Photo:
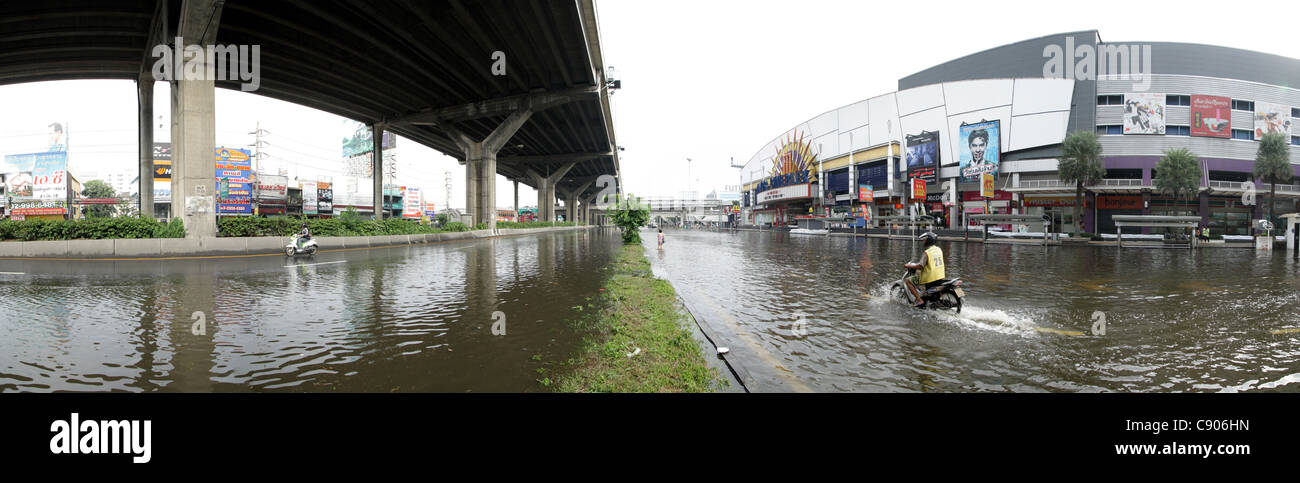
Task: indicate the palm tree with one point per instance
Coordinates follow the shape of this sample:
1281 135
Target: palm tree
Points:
1081 164
1273 164
1178 173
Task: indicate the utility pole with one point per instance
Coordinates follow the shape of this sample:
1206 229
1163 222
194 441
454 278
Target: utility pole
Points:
257 156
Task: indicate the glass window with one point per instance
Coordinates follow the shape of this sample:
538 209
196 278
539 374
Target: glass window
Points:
1295 112
1178 100
1178 130
1110 129
1243 134
1110 100
1295 140
1240 105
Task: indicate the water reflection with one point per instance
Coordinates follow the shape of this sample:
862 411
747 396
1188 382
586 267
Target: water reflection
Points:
394 319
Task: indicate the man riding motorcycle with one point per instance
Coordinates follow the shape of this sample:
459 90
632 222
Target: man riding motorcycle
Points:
303 236
929 269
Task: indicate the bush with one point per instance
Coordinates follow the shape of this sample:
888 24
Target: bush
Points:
90 229
455 226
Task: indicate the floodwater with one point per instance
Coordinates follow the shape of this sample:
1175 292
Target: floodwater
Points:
1174 320
416 318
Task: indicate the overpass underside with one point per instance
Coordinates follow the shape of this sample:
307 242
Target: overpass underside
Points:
516 88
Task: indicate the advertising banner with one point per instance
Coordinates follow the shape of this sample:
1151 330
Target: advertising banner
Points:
412 203
866 194
986 186
36 177
1144 113
1212 116
234 170
918 189
272 187
324 198
309 194
1271 117
429 211
923 155
980 149
38 207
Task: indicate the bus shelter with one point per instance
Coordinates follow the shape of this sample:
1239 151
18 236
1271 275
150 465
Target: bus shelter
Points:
1156 221
925 222
986 220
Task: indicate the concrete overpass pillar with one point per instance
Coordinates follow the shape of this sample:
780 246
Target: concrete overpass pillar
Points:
546 190
144 100
194 140
516 200
377 169
481 165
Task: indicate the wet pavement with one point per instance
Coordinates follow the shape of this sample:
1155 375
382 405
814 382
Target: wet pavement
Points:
1174 320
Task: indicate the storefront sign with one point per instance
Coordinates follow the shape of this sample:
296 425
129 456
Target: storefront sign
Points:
1050 201
976 195
986 185
918 189
270 187
1119 202
794 192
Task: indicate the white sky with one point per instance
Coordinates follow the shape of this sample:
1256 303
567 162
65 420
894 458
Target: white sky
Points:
703 79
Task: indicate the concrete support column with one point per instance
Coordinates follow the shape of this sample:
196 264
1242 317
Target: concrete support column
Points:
571 206
1089 210
144 100
1205 208
194 141
377 169
481 165
516 200
546 190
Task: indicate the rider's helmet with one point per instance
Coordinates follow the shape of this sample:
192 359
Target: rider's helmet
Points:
929 238
304 225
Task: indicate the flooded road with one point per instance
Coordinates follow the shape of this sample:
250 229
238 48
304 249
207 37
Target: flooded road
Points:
1175 320
416 318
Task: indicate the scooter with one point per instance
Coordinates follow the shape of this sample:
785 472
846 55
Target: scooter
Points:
308 248
946 295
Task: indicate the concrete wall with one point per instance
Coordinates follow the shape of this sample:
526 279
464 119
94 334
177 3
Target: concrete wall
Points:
210 246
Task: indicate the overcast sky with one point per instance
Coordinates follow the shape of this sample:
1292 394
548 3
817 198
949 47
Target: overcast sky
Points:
702 79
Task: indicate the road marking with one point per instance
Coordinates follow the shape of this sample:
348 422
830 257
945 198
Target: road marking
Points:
1286 331
12 273
314 264
1059 331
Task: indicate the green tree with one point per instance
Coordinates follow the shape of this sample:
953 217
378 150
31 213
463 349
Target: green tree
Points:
1178 173
1273 164
1081 164
98 190
630 216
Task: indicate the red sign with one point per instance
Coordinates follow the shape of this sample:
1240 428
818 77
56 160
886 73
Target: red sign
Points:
975 196
865 194
918 189
38 211
1211 116
1119 202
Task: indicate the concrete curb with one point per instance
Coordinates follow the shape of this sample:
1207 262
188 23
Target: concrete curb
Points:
183 247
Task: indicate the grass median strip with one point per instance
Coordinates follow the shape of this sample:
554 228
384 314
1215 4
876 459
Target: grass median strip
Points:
636 311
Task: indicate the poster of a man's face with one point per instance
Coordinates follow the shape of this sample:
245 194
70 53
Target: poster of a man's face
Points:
56 138
979 152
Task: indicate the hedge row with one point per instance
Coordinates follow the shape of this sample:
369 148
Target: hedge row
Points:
344 226
89 229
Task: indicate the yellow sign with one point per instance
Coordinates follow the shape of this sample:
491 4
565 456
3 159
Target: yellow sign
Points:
986 185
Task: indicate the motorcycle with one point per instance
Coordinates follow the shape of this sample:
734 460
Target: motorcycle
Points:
946 295
308 248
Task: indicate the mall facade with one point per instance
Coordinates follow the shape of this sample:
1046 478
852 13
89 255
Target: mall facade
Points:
1004 113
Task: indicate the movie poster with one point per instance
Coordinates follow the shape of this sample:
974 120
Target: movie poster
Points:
979 149
923 155
1212 116
1271 117
1144 113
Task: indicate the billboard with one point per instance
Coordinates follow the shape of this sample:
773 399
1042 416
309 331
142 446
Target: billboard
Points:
162 171
234 170
429 210
37 175
411 203
918 189
1144 113
309 194
272 187
1270 118
362 141
980 145
324 198
1212 116
923 155
865 193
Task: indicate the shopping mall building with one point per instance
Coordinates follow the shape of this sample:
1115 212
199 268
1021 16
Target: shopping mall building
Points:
1005 111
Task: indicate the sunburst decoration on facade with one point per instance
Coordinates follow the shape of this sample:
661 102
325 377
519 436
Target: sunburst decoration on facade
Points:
794 155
